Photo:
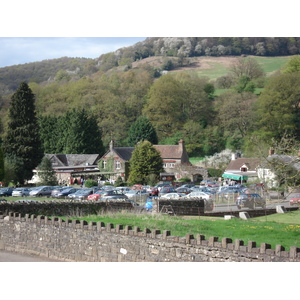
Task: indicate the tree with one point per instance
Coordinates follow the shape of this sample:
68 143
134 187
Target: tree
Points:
80 133
2 171
145 160
246 67
46 173
141 130
22 138
164 106
293 65
278 107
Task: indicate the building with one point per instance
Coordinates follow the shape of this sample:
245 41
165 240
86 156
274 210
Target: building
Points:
71 167
115 160
242 169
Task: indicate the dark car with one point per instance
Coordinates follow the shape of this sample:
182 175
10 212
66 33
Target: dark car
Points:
81 194
64 192
250 201
3 200
7 191
112 194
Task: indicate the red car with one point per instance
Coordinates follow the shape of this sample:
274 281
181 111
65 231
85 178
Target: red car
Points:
295 200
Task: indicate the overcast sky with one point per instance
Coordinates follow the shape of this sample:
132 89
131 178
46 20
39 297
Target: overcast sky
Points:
15 50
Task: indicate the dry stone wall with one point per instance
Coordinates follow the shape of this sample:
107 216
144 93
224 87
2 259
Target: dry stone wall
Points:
74 240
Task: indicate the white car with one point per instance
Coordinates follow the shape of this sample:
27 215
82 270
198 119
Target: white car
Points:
172 196
203 195
20 192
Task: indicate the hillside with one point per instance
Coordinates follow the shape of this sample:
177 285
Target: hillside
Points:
212 67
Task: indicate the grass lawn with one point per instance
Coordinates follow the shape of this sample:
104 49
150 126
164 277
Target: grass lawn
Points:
279 229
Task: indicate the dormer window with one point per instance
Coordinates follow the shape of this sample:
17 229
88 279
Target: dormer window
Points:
243 168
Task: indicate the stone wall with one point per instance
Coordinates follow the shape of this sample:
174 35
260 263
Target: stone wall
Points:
74 240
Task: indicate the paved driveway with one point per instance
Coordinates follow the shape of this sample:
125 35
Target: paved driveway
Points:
16 257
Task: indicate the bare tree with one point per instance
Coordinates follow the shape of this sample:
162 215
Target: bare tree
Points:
246 67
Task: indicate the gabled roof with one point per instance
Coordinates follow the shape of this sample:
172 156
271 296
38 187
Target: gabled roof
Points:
124 152
61 160
236 164
169 151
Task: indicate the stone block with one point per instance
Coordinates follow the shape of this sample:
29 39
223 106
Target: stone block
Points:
280 209
228 217
244 215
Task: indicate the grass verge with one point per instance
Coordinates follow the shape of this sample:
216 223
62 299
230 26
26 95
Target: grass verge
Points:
275 230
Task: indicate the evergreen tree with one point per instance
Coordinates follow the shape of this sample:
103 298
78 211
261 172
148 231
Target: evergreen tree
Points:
46 173
80 133
22 138
141 130
2 172
145 160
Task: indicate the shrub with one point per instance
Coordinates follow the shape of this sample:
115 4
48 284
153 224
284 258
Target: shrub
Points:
90 182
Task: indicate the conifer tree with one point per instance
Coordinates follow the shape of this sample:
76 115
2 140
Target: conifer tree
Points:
141 130
22 137
145 160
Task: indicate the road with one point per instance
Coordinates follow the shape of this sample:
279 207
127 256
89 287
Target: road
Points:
17 257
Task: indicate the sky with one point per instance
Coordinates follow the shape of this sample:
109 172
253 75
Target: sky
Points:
20 50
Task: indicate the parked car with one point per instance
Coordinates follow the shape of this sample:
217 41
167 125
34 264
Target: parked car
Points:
41 191
173 196
166 190
57 190
137 195
183 190
208 199
250 201
7 191
295 200
20 192
97 195
64 192
200 194
81 194
113 194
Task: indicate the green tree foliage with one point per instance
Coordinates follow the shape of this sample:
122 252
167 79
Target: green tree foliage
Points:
164 105
50 132
145 160
141 130
278 107
22 137
80 133
2 170
13 167
293 65
46 173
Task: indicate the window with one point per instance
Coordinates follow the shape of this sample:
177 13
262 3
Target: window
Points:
104 164
118 165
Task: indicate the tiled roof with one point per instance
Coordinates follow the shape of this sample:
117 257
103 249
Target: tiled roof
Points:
74 159
169 151
124 152
236 164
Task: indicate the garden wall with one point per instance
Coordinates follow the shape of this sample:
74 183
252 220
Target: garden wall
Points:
74 240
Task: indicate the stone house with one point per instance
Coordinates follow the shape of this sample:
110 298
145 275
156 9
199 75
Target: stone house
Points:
115 160
69 167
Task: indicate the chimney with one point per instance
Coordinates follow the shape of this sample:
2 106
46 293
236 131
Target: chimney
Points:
111 145
233 156
180 143
271 151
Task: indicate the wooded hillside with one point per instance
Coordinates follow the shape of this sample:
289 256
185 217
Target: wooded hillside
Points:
210 113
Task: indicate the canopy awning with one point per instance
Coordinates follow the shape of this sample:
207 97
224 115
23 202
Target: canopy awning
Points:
235 176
